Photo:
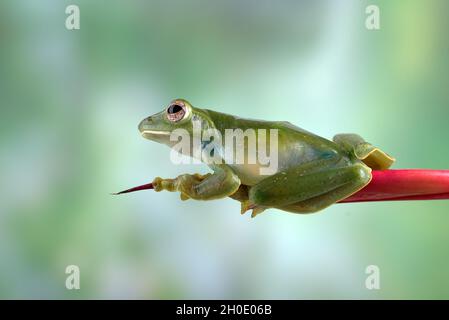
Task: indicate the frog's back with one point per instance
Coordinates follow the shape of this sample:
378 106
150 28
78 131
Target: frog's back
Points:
294 145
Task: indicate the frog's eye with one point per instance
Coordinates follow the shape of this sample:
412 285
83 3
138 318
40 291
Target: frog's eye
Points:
176 111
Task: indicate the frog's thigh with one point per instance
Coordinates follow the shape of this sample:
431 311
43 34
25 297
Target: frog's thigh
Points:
320 202
320 188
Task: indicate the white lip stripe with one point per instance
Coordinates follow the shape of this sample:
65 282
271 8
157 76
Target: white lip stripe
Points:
155 132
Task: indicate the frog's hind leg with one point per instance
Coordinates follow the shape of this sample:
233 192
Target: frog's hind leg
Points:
306 192
322 201
373 157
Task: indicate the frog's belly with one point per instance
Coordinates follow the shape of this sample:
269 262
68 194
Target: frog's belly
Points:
249 174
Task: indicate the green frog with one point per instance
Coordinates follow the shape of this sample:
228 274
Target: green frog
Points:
311 172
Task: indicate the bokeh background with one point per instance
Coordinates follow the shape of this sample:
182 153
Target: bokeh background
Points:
71 102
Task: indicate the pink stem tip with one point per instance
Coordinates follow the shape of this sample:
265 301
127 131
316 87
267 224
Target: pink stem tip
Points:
138 188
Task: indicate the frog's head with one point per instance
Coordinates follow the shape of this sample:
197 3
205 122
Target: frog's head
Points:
179 114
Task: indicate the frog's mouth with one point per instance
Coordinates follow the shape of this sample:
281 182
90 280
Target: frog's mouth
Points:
146 133
150 130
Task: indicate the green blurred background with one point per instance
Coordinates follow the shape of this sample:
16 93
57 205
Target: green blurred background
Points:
71 102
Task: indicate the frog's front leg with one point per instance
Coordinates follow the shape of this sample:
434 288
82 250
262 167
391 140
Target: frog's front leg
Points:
222 183
310 187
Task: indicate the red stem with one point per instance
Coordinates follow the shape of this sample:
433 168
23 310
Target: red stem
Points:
407 184
389 185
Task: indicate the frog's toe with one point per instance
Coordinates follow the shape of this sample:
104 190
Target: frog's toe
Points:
183 196
257 210
157 184
246 205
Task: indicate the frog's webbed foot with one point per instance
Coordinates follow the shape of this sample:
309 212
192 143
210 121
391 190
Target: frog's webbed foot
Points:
183 183
222 183
248 205
372 156
241 195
